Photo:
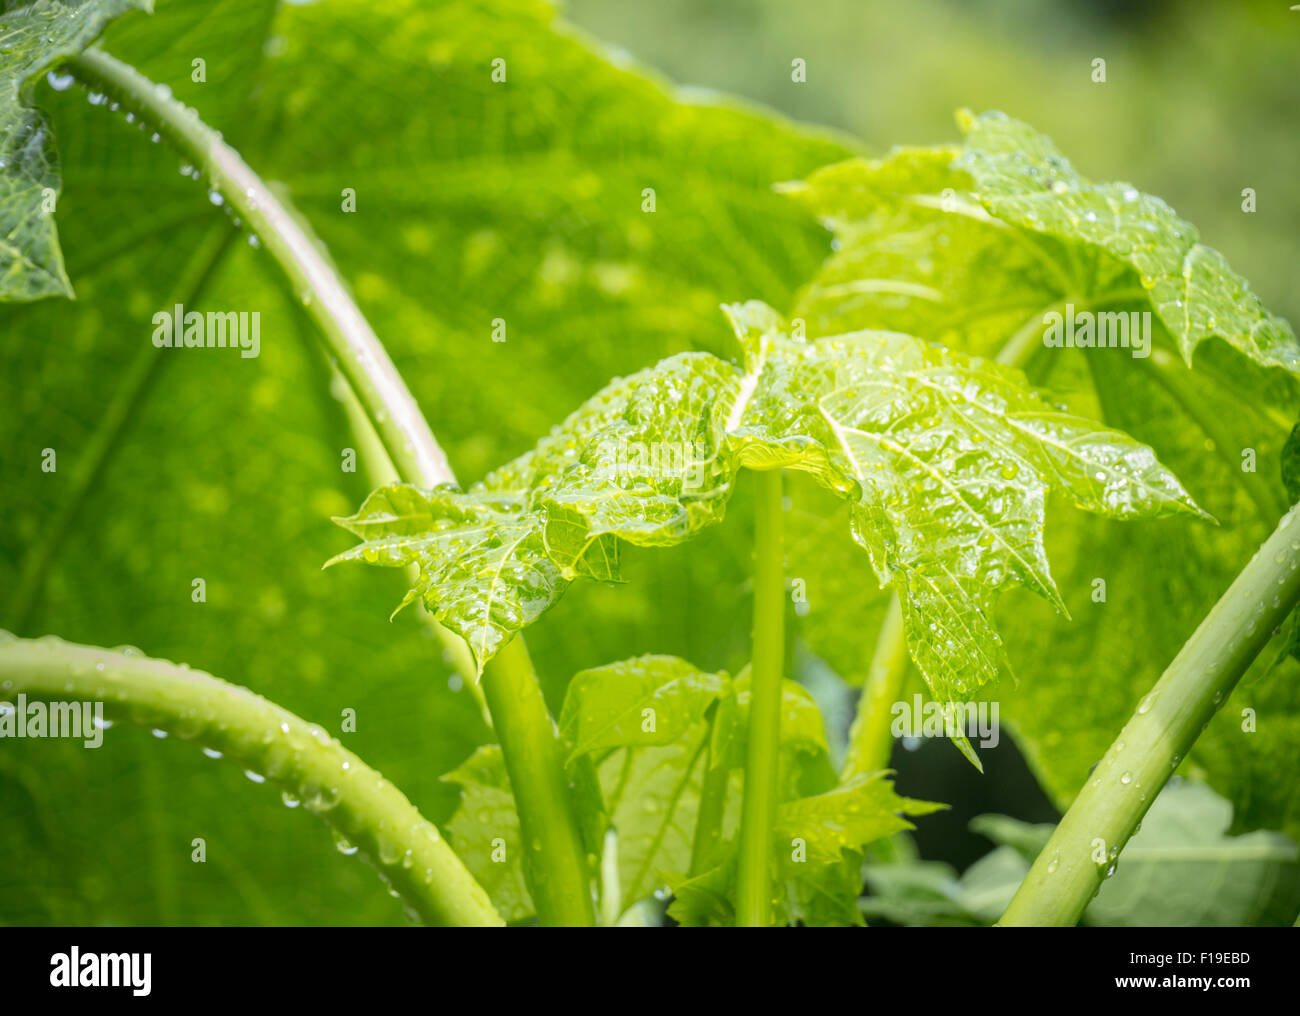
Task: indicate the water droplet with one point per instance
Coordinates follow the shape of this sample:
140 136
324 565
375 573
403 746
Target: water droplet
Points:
288 800
211 753
1126 778
255 777
59 82
158 732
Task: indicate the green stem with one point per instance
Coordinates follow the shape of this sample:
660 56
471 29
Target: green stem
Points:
272 744
758 807
360 355
396 417
1070 869
555 862
708 818
870 740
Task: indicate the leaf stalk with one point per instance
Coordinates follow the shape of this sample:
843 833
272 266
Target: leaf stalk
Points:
759 804
1085 847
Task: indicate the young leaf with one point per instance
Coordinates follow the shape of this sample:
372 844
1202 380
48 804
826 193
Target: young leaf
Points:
485 831
948 461
38 36
642 460
642 724
652 700
647 771
817 855
951 459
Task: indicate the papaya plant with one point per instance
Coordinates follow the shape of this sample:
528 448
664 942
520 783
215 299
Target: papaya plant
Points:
891 410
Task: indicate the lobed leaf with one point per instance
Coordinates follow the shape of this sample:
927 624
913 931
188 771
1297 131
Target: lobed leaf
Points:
38 36
940 243
946 459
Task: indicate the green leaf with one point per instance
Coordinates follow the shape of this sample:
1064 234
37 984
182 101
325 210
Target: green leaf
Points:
1181 868
923 249
850 816
805 757
642 460
816 861
650 768
652 700
228 469
948 459
485 831
952 458
1022 179
648 782
38 36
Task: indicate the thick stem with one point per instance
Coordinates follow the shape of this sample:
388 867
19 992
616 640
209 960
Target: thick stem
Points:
870 740
758 807
555 862
1086 844
271 744
388 403
359 353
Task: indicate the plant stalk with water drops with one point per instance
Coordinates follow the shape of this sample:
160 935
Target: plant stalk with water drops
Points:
512 689
1086 845
369 815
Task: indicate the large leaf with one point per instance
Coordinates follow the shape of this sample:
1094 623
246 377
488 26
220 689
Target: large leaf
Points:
474 201
941 243
37 37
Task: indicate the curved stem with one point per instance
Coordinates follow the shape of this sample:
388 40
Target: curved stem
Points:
556 869
1070 869
388 403
758 807
870 740
271 743
360 355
